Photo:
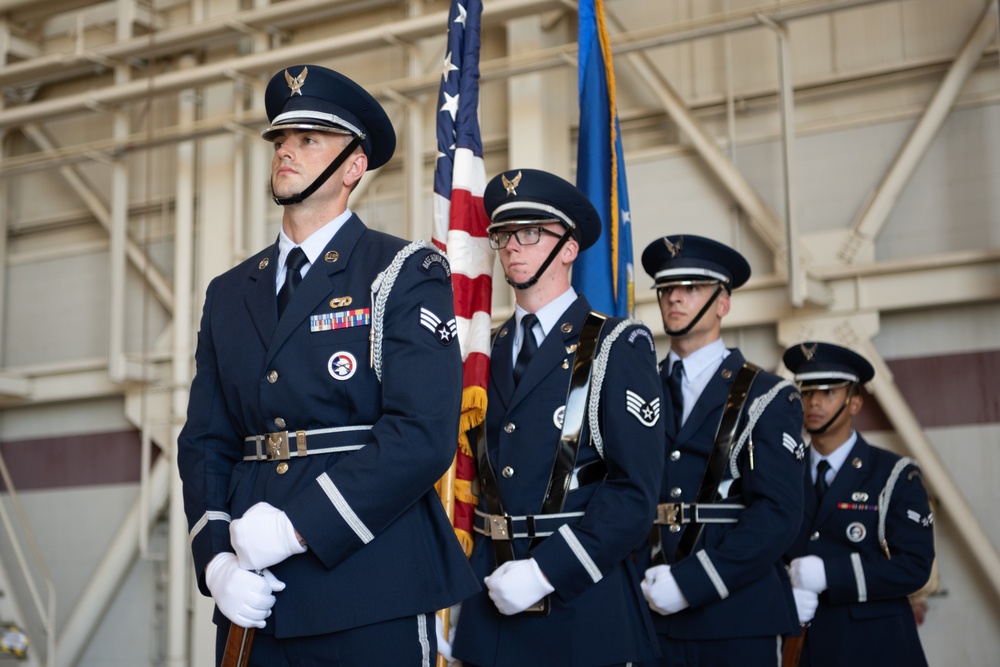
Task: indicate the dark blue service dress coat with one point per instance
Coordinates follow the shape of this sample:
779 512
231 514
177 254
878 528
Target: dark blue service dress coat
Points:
379 543
735 581
598 615
864 617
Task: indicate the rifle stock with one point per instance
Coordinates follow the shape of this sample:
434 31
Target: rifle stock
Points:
791 651
238 643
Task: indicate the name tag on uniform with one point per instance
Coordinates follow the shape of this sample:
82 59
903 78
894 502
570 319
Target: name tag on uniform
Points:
340 320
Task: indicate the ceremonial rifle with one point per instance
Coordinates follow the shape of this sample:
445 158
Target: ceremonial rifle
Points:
791 651
238 643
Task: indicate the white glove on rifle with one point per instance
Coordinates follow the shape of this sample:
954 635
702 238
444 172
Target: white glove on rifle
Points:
662 592
806 603
516 585
809 573
263 537
245 598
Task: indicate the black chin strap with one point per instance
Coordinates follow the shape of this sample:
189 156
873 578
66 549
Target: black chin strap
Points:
548 260
320 180
822 429
681 332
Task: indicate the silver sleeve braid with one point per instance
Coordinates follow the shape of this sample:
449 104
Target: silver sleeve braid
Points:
597 374
381 288
754 414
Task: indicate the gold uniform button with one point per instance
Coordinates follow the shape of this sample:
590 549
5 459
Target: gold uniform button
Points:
508 472
279 422
282 468
272 377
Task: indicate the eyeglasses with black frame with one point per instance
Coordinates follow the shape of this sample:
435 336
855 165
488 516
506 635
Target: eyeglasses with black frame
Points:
524 235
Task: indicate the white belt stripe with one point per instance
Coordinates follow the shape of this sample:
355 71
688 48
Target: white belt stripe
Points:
316 431
292 453
713 575
574 544
340 503
859 577
537 517
203 521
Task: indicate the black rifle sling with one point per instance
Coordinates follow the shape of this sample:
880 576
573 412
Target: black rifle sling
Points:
714 470
489 489
569 441
576 411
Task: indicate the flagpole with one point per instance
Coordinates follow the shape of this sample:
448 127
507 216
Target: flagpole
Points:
460 224
446 491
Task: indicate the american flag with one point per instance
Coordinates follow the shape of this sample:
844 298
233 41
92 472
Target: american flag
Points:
460 229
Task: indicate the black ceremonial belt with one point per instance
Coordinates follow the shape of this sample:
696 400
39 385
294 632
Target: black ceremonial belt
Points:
714 471
499 524
681 514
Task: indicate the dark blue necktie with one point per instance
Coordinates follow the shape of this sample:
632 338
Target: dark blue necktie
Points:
528 345
821 486
676 393
293 276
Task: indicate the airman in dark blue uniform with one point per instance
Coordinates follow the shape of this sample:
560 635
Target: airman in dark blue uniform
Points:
324 408
714 574
866 540
571 457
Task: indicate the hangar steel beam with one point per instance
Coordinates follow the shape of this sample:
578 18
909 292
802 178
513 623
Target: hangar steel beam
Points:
875 214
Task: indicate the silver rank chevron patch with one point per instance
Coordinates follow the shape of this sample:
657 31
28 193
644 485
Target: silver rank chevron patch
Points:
916 517
445 332
647 413
794 446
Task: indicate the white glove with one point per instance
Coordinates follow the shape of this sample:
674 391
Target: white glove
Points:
516 585
444 645
662 592
808 573
806 603
245 598
263 537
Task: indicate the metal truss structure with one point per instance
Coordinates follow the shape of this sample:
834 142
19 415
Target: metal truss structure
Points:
815 292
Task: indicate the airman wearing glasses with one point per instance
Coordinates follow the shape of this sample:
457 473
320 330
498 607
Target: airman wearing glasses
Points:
570 456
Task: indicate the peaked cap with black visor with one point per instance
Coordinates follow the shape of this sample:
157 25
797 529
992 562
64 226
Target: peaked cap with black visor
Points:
821 366
311 97
681 260
530 198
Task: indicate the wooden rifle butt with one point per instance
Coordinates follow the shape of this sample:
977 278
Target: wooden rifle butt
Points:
238 643
791 650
